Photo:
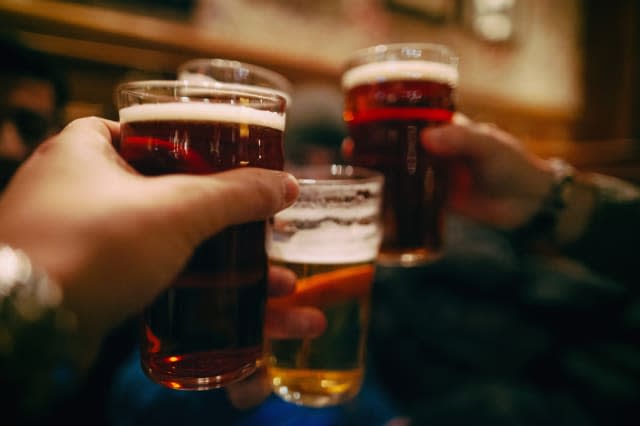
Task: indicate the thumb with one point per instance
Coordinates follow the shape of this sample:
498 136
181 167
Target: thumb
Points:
450 140
212 202
254 194
476 140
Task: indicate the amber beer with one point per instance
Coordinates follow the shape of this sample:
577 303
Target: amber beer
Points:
206 330
330 238
388 101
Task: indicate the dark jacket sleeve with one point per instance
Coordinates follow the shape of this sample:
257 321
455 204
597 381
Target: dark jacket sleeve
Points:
610 244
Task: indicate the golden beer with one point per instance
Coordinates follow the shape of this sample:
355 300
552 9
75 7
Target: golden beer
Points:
329 369
330 238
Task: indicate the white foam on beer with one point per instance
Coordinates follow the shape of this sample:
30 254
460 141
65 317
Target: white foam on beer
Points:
313 212
329 242
377 72
328 245
202 111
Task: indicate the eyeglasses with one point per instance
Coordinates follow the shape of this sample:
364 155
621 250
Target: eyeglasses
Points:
32 126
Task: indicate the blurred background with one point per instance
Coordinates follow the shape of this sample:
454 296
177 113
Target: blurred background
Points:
561 75
485 332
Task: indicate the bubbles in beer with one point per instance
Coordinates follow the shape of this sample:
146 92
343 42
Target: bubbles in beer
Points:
377 72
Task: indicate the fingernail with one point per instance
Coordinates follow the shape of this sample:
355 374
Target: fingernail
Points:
315 325
430 135
289 277
460 119
308 327
290 188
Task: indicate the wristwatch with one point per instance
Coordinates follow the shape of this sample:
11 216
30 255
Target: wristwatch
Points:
542 224
36 332
563 177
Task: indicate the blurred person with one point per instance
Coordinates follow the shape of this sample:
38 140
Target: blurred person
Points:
315 128
78 226
33 94
531 316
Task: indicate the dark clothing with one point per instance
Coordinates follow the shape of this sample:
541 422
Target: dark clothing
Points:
610 245
489 335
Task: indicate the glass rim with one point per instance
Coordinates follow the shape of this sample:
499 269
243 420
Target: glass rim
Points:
382 62
335 174
141 89
281 83
378 49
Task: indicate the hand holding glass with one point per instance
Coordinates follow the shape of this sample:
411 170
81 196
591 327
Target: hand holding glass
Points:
206 330
392 92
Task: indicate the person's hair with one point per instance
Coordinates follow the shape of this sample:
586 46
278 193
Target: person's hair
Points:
20 62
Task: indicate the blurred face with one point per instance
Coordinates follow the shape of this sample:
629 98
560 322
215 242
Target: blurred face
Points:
27 118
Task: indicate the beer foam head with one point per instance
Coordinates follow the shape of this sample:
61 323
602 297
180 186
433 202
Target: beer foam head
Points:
377 72
202 111
323 236
329 243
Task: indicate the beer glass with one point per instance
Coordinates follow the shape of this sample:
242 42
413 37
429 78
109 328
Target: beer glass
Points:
330 238
206 330
235 72
392 92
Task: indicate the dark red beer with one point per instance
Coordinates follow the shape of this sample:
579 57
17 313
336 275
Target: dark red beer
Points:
206 330
387 104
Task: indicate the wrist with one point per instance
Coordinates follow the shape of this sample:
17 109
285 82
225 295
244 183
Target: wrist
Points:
553 198
37 335
592 193
575 217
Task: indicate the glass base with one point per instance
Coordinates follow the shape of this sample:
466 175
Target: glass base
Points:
314 401
316 388
200 383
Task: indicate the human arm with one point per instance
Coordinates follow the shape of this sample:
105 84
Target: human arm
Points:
496 181
94 225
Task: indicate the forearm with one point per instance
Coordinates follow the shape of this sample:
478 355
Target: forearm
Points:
601 226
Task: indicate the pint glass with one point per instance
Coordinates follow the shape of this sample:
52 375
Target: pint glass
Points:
330 238
236 73
206 330
392 92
